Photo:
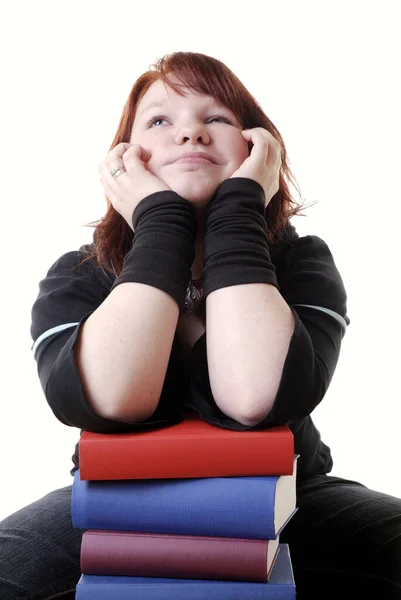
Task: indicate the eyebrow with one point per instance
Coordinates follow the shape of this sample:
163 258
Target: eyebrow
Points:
156 104
159 104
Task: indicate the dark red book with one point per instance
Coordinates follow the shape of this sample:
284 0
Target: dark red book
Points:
190 449
132 554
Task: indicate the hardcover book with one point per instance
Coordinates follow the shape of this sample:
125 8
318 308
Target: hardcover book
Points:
281 586
126 553
234 507
190 449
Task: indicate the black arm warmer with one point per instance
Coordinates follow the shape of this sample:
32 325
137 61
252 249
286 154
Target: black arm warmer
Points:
235 247
163 248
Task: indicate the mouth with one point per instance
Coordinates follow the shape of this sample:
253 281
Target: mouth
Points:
196 158
193 160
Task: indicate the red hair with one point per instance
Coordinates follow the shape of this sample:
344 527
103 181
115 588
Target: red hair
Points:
205 75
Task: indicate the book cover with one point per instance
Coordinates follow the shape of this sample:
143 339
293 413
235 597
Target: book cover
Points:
126 553
192 448
237 507
281 586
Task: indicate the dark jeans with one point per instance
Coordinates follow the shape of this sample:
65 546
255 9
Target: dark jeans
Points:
345 542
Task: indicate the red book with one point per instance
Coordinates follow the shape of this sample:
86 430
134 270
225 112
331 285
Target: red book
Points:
190 449
132 554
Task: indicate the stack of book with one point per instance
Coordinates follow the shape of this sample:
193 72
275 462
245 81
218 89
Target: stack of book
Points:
186 511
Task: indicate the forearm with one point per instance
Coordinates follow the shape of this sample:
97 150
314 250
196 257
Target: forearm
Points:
249 325
248 333
312 288
125 345
123 351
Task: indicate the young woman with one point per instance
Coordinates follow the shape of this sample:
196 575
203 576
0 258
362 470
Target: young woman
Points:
198 294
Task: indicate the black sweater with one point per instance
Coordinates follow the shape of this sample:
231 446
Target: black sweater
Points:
303 270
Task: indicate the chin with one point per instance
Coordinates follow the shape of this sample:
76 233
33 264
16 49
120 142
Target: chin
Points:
197 192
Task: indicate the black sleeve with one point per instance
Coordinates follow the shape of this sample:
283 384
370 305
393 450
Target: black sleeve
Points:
68 295
310 283
161 255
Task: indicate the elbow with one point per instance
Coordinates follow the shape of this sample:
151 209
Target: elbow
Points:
248 413
250 419
132 410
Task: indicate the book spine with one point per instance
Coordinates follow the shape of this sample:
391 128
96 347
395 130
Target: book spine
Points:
193 557
236 507
182 590
105 457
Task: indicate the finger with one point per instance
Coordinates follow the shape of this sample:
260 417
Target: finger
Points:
274 145
106 173
274 149
133 153
118 150
110 165
260 143
115 158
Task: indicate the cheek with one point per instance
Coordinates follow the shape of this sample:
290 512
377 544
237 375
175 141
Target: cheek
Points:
241 149
141 138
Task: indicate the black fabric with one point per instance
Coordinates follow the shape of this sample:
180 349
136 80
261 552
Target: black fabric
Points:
345 541
70 293
305 272
235 246
163 248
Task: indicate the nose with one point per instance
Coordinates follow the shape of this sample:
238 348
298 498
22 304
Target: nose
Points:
193 133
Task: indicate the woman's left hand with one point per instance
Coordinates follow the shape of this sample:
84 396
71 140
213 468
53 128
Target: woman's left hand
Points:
264 162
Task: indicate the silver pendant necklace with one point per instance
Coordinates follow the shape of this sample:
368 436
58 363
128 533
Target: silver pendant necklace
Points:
194 295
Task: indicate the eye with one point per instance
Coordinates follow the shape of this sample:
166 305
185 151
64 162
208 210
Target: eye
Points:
155 119
221 119
160 118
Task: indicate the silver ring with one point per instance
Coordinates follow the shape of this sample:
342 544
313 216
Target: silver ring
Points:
116 172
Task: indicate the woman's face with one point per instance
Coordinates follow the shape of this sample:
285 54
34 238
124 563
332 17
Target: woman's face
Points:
190 123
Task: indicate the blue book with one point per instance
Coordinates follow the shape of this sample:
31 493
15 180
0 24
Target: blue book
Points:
235 507
281 586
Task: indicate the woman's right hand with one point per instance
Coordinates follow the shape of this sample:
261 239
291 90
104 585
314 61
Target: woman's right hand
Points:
135 183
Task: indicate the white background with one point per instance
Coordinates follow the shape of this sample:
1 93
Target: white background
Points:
326 73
